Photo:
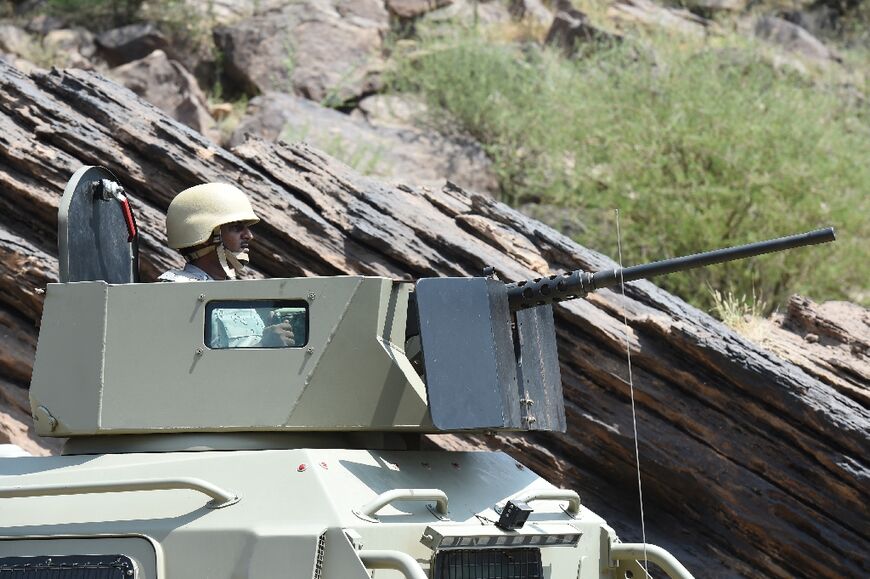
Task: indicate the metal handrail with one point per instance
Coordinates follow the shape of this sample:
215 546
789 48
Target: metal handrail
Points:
220 497
554 495
653 553
396 560
368 510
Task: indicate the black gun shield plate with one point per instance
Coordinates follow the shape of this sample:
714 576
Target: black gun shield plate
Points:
468 353
92 233
538 370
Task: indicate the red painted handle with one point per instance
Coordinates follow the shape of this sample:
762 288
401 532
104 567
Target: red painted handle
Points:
128 217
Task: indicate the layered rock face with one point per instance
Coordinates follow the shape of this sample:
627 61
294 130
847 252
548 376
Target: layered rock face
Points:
751 465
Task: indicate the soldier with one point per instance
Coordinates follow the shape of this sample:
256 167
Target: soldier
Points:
210 225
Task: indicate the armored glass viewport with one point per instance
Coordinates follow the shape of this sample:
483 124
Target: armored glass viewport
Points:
232 324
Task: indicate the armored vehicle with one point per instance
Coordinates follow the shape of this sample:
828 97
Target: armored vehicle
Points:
190 458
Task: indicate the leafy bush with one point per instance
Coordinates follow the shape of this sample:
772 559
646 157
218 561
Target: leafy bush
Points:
699 148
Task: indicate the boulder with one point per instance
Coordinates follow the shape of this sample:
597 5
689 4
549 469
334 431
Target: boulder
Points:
467 14
128 43
793 39
409 9
571 29
390 110
391 149
709 7
14 40
71 47
531 11
336 62
297 50
42 24
16 47
366 13
649 14
167 85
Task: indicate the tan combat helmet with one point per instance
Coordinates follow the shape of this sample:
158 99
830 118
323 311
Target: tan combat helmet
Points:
195 216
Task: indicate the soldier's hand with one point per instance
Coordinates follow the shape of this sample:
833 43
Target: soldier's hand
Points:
278 335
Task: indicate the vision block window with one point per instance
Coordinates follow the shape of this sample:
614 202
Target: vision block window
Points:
256 324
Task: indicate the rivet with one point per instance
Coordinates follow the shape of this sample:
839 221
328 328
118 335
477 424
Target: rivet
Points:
456 465
201 297
426 465
198 351
310 350
311 296
520 467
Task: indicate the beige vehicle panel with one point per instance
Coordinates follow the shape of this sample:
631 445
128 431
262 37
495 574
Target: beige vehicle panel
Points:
131 358
295 497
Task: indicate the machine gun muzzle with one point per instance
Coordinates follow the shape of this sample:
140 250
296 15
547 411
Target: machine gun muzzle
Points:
575 284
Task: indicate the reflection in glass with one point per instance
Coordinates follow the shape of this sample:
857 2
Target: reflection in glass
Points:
256 324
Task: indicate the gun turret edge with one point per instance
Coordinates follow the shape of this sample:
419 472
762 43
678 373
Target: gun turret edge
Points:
576 284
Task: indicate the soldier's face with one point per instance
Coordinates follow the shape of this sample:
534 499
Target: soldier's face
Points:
236 237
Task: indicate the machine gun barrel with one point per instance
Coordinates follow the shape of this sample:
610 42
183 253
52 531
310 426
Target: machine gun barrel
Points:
575 284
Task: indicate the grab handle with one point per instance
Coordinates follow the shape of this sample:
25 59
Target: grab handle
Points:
219 497
554 495
368 510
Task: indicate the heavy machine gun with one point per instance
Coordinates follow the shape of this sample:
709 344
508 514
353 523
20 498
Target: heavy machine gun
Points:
576 284
504 373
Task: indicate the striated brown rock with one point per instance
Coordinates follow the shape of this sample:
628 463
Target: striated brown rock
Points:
15 423
751 465
830 341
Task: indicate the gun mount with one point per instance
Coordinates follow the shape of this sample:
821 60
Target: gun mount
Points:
504 373
440 354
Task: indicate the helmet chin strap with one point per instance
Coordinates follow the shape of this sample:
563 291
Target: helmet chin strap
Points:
233 264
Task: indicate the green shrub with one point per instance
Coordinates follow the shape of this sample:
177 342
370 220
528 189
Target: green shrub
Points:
699 148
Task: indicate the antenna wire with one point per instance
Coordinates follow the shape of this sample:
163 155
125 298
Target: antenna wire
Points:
631 390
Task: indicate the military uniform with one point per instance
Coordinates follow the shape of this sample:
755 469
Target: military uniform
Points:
189 273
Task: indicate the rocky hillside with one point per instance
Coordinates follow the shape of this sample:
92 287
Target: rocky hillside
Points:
751 464
753 457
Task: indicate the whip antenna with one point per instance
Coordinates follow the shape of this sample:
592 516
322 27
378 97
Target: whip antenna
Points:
631 390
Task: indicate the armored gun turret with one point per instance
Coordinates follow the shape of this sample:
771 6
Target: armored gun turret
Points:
191 456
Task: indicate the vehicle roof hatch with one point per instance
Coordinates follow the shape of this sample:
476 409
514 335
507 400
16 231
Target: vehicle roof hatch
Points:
97 234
